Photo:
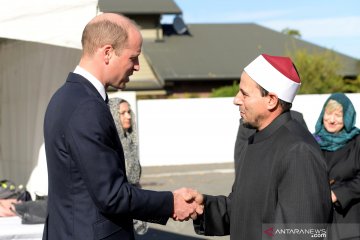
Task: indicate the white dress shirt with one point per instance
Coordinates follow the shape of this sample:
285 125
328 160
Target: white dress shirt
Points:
93 80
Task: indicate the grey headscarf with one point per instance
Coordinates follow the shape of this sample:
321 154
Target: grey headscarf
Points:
128 140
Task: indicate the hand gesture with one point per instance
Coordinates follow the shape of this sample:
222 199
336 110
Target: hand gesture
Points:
7 207
188 203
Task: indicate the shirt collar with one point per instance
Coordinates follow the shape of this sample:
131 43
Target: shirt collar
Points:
93 80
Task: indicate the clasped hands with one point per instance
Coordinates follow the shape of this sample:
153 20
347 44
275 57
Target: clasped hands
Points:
188 203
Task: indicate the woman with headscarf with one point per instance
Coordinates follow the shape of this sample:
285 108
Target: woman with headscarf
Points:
124 119
339 141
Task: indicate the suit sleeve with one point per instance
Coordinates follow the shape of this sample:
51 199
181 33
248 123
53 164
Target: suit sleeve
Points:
216 218
96 154
303 191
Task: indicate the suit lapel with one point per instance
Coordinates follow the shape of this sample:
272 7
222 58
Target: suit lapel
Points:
76 78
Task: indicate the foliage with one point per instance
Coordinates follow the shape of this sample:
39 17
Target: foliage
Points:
352 86
318 72
190 95
291 32
226 91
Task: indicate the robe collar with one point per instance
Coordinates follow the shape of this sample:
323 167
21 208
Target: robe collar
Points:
271 128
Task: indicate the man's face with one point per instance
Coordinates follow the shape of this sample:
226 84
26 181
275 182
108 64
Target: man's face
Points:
252 105
123 66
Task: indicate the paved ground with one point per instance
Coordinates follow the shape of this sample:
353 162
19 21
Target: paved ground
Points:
213 179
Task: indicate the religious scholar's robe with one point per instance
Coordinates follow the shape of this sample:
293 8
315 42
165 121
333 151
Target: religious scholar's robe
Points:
280 177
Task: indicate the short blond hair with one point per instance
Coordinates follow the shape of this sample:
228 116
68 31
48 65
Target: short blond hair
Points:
103 31
333 105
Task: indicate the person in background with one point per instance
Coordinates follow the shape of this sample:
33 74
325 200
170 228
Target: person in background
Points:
89 196
280 176
11 194
7 207
125 122
339 141
37 184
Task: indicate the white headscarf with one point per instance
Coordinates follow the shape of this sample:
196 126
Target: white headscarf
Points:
129 141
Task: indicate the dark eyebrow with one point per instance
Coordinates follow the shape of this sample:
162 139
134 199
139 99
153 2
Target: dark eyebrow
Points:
243 92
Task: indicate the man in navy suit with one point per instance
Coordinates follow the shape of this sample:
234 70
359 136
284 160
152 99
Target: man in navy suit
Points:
89 196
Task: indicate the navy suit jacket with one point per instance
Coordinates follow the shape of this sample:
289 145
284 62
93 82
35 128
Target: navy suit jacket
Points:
89 195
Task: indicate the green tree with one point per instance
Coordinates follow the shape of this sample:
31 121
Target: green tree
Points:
226 91
318 72
352 85
291 32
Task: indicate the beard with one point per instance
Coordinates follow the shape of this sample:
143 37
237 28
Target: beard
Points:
254 124
248 125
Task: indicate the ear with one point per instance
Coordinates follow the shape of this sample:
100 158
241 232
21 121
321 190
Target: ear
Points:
272 101
107 51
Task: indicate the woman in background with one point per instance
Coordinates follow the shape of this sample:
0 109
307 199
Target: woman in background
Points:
339 141
124 119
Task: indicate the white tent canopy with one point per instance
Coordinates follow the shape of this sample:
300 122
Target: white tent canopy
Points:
55 22
40 43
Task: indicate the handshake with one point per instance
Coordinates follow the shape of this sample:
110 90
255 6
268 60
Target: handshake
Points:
188 203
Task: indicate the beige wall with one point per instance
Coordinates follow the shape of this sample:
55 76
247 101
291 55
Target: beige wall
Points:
29 75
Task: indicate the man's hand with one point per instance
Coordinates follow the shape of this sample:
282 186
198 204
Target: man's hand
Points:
333 197
188 203
199 199
7 208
